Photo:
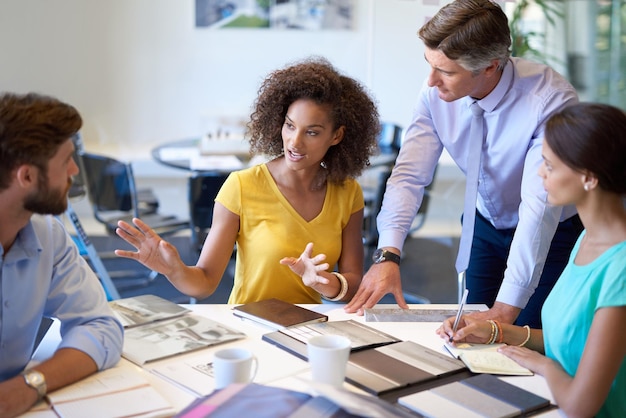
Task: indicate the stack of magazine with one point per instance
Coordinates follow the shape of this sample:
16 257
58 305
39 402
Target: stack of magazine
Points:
378 362
155 328
478 396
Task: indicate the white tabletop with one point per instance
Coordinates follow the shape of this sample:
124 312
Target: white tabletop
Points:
276 366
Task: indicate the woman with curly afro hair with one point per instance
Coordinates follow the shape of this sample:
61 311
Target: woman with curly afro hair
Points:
317 128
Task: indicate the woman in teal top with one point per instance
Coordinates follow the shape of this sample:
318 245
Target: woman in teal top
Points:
584 317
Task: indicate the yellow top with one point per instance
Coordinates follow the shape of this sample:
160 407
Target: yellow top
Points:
270 229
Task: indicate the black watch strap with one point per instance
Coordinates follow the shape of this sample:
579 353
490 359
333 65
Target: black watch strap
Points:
381 255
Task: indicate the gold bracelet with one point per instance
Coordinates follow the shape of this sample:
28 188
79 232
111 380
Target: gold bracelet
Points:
494 332
527 336
344 288
500 332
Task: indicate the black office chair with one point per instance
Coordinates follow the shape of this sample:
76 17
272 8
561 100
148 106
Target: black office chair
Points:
202 190
374 201
390 138
77 191
420 216
113 196
373 204
370 230
374 179
374 183
146 199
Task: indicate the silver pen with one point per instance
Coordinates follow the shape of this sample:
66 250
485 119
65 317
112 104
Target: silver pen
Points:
459 313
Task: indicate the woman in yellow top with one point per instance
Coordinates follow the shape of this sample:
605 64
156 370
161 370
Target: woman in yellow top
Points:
318 129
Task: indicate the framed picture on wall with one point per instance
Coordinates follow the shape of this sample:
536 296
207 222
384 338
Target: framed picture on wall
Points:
275 14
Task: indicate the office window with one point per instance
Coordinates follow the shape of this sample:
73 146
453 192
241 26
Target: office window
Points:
586 42
609 52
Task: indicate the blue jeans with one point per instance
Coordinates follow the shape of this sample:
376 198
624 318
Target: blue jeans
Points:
490 250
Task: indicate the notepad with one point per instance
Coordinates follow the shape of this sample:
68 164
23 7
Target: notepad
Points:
485 358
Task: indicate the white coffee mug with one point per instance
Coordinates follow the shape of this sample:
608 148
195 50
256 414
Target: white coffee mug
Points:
234 365
328 357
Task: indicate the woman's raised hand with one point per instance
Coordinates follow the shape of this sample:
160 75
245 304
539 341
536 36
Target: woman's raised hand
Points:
152 251
308 267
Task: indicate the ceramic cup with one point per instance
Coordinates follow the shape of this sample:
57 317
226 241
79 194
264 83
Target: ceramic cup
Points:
328 357
234 365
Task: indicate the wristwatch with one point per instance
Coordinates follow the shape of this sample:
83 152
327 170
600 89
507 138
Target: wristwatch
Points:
36 380
382 255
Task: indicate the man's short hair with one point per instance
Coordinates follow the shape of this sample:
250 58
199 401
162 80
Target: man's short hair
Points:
471 32
32 128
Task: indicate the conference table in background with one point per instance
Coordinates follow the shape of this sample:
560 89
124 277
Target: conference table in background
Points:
223 155
193 154
279 368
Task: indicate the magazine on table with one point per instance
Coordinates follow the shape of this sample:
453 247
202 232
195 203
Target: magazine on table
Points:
378 314
170 337
156 328
121 391
144 309
479 395
360 335
378 362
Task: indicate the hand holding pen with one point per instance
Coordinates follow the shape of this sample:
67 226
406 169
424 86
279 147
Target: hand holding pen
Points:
459 313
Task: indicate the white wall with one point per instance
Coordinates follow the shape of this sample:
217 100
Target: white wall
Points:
140 72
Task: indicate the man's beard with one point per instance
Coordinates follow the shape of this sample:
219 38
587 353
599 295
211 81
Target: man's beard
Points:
47 201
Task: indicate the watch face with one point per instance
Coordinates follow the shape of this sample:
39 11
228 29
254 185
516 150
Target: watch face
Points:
378 255
35 379
381 255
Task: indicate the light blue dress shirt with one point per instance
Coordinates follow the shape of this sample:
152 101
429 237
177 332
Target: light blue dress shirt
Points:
510 192
44 275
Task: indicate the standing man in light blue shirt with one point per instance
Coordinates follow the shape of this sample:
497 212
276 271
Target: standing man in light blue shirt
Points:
41 271
514 260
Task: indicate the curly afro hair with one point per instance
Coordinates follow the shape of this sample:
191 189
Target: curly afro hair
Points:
351 106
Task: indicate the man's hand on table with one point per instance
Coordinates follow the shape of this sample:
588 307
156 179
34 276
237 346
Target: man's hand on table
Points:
499 311
379 280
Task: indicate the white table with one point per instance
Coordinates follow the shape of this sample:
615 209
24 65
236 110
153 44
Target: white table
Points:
276 366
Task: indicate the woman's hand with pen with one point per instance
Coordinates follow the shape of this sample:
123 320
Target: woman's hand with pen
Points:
469 330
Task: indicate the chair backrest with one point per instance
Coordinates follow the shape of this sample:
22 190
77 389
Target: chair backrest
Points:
390 138
203 188
110 184
79 183
375 203
420 216
114 196
370 230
